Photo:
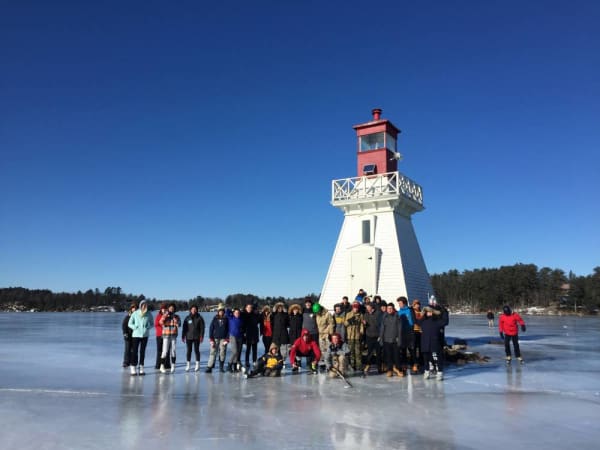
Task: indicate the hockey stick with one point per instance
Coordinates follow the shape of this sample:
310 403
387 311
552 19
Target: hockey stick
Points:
339 374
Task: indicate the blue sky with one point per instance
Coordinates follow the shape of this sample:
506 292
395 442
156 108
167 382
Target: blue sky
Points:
183 150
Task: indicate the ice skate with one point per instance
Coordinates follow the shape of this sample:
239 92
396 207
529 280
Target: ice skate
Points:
439 376
162 369
141 371
426 375
132 371
173 367
508 360
187 366
520 358
197 368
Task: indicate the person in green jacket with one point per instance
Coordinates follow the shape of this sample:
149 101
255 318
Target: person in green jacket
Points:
140 322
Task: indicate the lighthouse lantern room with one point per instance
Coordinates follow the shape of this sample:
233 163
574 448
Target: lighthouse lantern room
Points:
377 248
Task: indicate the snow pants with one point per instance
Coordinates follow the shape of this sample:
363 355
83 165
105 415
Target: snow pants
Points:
220 345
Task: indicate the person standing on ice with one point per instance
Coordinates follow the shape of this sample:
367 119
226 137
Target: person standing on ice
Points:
431 343
372 328
295 322
417 356
192 335
325 326
236 339
309 320
508 325
251 320
490 318
218 335
390 335
305 346
159 338
170 323
405 315
355 330
140 323
266 328
281 322
127 336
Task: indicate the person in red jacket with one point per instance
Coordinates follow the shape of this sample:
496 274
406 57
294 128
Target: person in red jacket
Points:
508 325
305 346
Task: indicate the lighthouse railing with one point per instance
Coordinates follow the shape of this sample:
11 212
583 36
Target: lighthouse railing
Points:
390 184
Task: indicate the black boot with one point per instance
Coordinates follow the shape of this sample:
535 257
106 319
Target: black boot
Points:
208 369
222 366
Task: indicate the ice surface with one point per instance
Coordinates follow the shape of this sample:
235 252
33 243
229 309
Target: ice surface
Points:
61 386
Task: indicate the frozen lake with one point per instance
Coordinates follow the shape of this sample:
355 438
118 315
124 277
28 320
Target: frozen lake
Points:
62 386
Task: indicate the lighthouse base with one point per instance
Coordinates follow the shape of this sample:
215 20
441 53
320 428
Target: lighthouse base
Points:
379 253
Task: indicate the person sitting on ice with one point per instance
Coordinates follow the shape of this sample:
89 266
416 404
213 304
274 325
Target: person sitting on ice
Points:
336 359
305 346
268 365
508 325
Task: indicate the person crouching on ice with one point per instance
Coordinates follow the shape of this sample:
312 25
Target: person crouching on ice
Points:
336 359
268 365
305 346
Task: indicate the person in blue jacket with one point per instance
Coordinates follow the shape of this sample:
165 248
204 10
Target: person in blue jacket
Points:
405 314
236 338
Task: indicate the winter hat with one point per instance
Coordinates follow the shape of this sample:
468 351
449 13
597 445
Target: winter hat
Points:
142 303
507 310
316 308
273 346
221 307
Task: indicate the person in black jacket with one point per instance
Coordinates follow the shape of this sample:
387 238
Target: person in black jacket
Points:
280 321
250 321
193 335
431 342
127 332
218 334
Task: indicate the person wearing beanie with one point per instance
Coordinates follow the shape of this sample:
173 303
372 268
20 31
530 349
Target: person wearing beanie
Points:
508 325
268 365
309 320
140 323
159 339
170 323
192 335
127 336
305 346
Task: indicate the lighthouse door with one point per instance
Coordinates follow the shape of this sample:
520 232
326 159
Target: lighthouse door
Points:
363 269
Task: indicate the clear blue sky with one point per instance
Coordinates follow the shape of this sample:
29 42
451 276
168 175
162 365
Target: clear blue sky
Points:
183 150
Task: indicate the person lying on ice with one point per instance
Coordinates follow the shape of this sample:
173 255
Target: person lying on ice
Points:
269 364
336 359
305 346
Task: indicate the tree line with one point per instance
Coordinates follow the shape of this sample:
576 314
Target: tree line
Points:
519 285
22 299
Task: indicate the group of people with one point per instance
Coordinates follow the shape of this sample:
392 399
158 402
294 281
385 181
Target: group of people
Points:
366 335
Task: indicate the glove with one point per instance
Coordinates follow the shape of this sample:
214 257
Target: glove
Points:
523 328
502 336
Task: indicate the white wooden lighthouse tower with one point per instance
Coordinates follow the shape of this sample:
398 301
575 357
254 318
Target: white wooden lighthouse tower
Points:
377 249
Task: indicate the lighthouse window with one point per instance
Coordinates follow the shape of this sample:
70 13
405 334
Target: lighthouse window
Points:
390 142
372 142
366 231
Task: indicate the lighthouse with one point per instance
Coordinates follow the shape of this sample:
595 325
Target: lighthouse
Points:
377 248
